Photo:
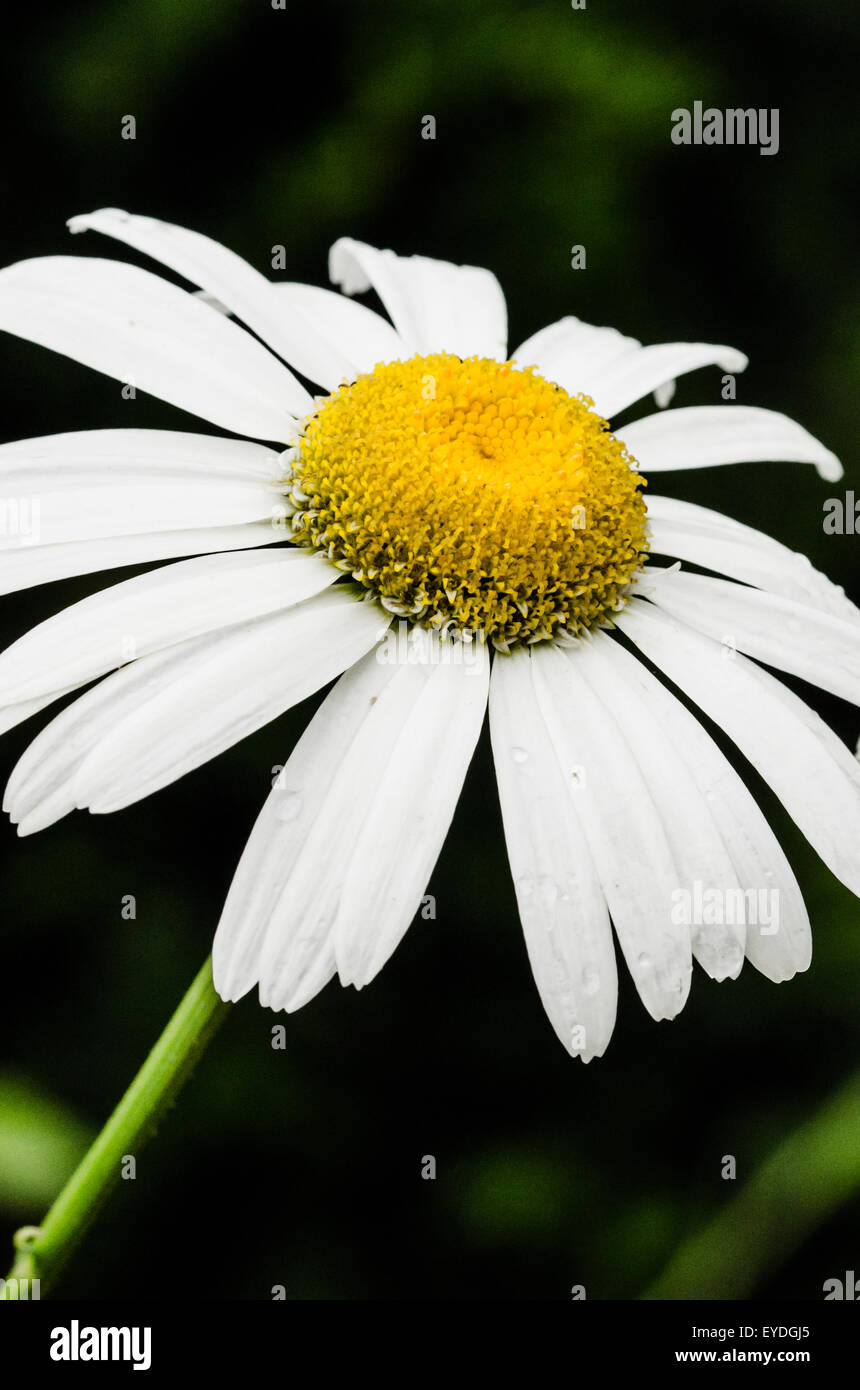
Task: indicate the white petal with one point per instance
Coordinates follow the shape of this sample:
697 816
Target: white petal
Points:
155 610
138 328
575 355
294 856
92 484
703 537
240 681
40 789
808 767
356 337
308 855
435 306
414 794
700 856
11 715
562 908
287 324
632 376
792 636
708 436
759 863
627 841
28 565
572 353
313 975
64 458
107 506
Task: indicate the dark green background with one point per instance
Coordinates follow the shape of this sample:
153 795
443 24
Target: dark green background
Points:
301 1167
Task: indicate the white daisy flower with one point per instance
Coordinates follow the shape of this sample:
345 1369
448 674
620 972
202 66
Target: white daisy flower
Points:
476 509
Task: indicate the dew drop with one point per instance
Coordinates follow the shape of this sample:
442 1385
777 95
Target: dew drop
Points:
290 806
645 961
590 980
519 755
548 889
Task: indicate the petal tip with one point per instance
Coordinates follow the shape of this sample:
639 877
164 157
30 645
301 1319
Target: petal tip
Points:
829 468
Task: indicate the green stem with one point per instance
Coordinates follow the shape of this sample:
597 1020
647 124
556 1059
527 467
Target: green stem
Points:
42 1250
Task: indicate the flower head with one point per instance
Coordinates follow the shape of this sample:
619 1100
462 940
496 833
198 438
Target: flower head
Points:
479 504
471 496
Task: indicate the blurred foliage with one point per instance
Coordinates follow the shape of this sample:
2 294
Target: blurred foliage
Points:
806 1178
264 127
41 1142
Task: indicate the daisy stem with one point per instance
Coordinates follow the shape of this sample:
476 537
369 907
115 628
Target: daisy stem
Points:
42 1250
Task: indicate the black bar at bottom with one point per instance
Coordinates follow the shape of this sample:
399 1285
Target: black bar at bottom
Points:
59 1339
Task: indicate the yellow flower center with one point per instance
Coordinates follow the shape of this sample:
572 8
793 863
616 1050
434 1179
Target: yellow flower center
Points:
471 497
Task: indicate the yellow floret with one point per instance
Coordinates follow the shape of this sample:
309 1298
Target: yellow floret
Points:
472 496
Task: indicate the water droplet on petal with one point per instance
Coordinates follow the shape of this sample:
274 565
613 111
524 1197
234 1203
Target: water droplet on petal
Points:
519 755
645 962
590 980
290 806
548 891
